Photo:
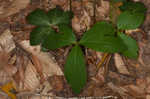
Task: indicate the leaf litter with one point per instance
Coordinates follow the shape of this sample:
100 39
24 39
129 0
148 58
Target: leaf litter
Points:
30 73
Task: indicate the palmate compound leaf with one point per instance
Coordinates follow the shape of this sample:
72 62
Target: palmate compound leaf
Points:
57 16
38 17
38 35
57 40
54 17
132 51
101 37
129 20
75 70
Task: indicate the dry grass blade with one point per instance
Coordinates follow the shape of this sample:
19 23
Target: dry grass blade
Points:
102 60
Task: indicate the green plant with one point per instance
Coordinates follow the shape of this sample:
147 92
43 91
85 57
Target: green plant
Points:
53 31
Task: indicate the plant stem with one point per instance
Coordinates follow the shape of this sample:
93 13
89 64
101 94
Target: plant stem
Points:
94 12
70 4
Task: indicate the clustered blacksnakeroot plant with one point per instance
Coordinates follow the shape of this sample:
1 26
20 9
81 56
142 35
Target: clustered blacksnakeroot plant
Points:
103 37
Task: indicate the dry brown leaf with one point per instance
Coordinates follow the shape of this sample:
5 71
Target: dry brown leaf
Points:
120 64
14 7
50 67
38 66
59 2
88 6
31 81
41 62
8 68
76 24
135 91
4 77
56 83
147 96
120 90
64 4
82 23
6 41
102 10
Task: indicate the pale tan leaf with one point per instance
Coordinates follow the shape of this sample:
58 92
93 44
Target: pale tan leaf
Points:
102 11
38 66
31 81
4 66
120 90
6 41
120 64
147 96
50 67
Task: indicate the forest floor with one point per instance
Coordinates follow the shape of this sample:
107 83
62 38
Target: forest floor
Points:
39 75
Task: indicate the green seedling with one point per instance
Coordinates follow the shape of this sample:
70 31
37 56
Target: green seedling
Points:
101 37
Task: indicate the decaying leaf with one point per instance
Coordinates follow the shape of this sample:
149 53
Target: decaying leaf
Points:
14 7
56 83
102 10
120 65
31 81
82 23
49 65
120 90
37 64
41 67
6 41
135 91
4 78
5 66
62 3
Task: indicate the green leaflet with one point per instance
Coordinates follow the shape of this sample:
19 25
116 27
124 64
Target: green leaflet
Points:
132 51
134 7
58 16
57 40
38 35
128 20
53 17
75 70
38 17
101 38
132 16
44 21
